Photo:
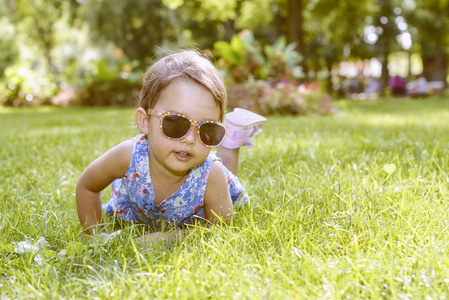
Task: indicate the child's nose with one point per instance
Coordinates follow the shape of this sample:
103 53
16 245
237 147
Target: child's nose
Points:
190 138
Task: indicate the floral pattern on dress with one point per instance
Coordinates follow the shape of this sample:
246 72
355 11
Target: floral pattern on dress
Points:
132 197
179 202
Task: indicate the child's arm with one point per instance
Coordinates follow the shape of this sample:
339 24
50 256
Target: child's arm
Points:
217 200
98 175
217 204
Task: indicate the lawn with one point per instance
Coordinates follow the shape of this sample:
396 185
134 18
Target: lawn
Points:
347 206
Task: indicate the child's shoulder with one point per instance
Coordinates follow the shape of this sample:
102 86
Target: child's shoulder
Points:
122 152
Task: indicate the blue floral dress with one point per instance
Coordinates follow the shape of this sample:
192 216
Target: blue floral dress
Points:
132 197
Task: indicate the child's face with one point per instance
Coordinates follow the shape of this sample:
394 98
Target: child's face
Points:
183 96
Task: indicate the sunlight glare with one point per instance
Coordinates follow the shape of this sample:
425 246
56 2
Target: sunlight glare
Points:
406 40
370 35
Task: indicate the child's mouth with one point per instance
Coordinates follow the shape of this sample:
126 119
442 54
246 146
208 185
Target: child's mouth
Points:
183 155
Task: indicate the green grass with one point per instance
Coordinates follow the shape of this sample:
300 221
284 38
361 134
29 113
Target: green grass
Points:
350 206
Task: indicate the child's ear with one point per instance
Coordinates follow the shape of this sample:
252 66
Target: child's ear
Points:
142 120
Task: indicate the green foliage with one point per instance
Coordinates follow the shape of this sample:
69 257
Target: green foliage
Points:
8 49
113 91
282 61
111 83
67 38
36 21
254 72
429 21
243 58
285 98
23 86
348 207
254 14
137 27
334 32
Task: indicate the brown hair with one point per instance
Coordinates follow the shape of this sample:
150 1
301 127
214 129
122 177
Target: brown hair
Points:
188 64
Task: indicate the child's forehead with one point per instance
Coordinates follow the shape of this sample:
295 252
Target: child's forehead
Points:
189 98
183 87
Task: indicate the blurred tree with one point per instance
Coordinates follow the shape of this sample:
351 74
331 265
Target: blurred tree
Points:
202 23
429 20
387 31
36 19
208 21
334 31
325 31
295 28
137 27
8 47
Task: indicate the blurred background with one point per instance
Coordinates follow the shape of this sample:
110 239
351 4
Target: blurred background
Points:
277 56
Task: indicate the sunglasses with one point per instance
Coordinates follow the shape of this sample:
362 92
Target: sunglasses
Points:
176 126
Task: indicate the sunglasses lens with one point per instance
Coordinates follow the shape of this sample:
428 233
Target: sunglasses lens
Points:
212 134
174 126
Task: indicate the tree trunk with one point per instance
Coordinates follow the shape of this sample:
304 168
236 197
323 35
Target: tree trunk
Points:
295 30
435 66
229 29
384 75
229 25
329 87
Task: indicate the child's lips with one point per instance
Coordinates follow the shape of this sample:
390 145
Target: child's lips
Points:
183 155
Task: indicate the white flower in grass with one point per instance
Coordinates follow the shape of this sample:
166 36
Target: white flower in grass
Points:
26 247
105 237
38 258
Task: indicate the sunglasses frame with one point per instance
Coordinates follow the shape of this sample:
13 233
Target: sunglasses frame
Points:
193 123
